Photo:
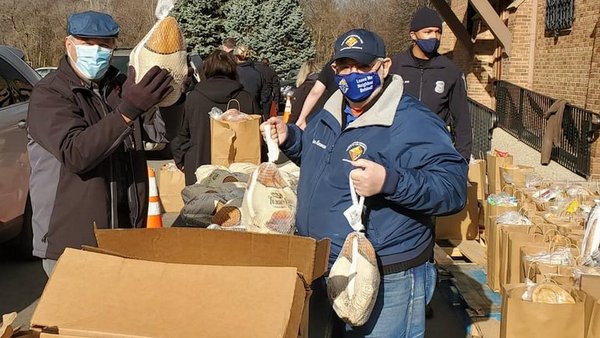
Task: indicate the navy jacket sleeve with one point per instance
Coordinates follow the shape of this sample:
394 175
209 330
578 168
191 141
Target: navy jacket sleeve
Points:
428 175
292 147
462 117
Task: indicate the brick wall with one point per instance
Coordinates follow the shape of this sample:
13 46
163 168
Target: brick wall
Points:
564 67
562 64
478 68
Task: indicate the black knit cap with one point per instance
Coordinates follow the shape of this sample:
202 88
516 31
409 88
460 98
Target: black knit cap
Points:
425 17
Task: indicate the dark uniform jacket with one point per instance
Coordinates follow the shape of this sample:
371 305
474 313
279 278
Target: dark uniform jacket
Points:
191 146
88 166
441 86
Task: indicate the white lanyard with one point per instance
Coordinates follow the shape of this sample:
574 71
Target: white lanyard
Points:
354 217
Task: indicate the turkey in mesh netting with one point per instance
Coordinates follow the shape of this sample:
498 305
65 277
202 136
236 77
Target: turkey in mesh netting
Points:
269 205
163 46
353 291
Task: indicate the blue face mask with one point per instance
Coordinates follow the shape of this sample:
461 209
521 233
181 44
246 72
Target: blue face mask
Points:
428 46
92 60
358 87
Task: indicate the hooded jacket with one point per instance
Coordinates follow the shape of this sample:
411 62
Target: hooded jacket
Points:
191 147
441 86
79 149
425 175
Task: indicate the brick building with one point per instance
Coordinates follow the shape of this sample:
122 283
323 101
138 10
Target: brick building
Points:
514 41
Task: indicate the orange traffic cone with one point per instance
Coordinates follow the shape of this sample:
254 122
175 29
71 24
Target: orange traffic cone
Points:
154 215
288 109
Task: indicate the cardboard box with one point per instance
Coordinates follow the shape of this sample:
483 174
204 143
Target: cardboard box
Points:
464 224
182 282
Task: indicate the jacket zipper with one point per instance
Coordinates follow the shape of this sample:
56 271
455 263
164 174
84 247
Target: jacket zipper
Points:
111 178
421 84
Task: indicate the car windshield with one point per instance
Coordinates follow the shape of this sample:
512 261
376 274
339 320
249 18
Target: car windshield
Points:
120 62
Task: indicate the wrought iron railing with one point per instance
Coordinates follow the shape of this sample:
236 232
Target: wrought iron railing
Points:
521 113
483 120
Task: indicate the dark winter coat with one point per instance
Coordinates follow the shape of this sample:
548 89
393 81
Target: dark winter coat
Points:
441 86
191 146
273 88
253 82
300 95
79 148
425 175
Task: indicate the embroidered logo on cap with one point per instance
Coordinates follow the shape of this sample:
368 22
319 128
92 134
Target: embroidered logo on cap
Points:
352 42
356 150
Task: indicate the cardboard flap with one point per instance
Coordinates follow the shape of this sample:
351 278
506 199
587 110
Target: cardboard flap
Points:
96 295
219 247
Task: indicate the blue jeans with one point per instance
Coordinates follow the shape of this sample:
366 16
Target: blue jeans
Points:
399 310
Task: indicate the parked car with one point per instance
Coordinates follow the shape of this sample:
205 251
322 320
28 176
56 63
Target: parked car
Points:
43 71
17 79
173 119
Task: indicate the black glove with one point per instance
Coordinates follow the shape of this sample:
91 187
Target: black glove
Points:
137 98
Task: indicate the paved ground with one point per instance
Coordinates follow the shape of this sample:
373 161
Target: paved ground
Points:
525 155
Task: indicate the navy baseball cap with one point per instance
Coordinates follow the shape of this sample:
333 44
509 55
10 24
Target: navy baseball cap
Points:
92 24
359 44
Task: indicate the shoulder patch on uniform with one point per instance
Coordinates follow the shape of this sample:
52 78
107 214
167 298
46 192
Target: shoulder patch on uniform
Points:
439 87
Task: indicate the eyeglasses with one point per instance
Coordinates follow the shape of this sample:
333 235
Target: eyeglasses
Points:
348 65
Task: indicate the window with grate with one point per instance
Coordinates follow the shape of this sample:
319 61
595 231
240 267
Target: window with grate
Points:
559 15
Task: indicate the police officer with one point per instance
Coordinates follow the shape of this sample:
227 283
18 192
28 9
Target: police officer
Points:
434 79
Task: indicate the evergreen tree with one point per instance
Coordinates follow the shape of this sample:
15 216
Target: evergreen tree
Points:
284 37
241 21
201 24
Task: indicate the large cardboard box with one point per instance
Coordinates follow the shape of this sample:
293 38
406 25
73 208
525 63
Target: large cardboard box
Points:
182 282
463 225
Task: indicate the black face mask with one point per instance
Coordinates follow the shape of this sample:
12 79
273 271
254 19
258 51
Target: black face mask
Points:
428 46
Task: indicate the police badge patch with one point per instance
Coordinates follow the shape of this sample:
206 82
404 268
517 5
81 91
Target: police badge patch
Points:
439 86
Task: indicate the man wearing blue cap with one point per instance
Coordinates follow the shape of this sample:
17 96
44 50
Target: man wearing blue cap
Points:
86 125
434 79
400 157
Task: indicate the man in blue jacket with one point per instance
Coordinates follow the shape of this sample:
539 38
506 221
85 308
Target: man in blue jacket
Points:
400 157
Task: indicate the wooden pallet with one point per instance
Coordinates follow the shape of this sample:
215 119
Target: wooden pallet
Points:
466 262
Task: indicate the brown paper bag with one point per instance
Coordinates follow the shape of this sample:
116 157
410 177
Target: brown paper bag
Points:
526 319
594 327
511 239
464 224
477 175
235 141
493 170
171 182
514 175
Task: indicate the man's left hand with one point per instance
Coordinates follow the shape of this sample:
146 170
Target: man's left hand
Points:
368 177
